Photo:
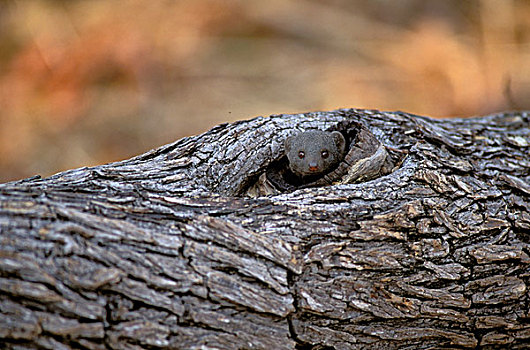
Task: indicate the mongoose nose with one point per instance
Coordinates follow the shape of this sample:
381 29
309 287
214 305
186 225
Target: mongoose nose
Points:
313 168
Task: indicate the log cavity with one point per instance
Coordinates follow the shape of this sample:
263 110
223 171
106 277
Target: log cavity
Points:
366 159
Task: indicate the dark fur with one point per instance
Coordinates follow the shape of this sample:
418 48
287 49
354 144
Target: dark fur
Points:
313 143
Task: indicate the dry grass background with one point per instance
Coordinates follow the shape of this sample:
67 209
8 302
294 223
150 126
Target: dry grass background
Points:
88 82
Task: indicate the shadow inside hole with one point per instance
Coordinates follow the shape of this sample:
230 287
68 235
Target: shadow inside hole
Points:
366 158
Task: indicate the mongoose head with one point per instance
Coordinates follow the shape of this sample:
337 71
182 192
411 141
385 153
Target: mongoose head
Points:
314 152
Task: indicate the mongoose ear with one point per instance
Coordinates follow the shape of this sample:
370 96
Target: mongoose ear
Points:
287 143
340 141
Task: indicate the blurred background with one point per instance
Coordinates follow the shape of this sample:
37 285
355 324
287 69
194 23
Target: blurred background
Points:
88 82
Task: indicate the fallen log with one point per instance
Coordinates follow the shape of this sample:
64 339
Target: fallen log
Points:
420 240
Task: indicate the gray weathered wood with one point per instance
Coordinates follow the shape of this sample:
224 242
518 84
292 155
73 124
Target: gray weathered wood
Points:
165 250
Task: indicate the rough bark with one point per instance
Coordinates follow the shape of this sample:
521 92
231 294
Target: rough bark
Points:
166 250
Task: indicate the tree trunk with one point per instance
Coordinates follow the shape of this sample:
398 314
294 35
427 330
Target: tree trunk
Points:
169 250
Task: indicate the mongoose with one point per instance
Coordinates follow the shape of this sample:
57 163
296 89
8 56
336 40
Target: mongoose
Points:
314 152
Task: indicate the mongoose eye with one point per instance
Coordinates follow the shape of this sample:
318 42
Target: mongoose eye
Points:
301 154
325 154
